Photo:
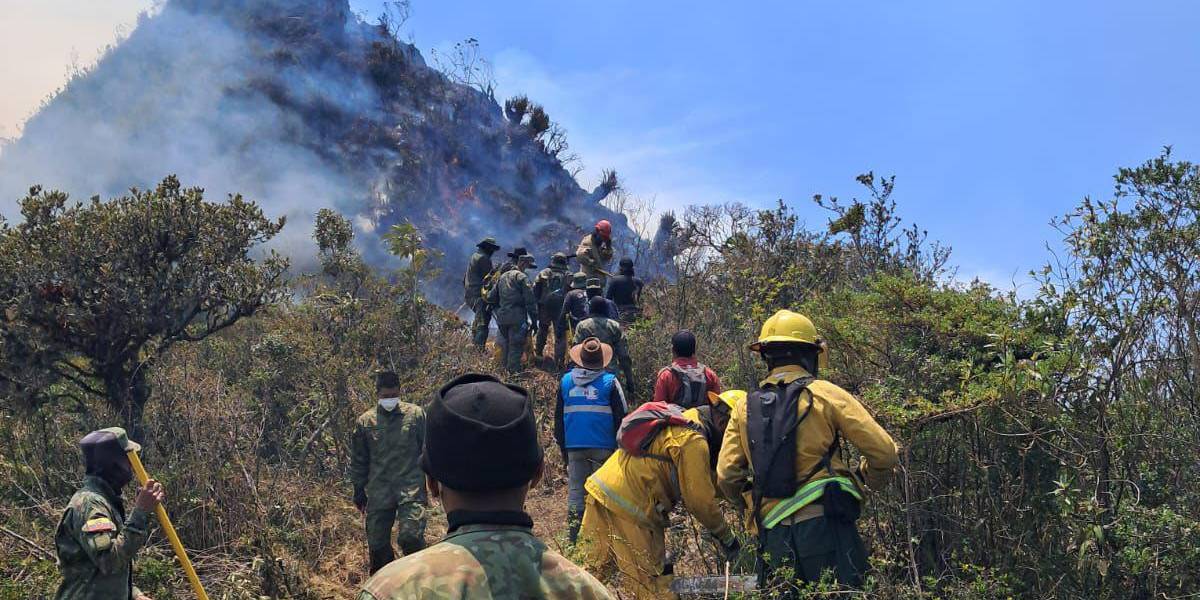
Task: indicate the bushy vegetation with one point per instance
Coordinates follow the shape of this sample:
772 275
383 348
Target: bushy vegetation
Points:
1048 444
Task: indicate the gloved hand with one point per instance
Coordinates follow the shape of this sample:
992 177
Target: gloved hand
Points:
360 500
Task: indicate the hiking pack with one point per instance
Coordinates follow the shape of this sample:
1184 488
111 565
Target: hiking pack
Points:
639 428
693 385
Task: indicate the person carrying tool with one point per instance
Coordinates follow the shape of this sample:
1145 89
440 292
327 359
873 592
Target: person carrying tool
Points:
665 456
478 269
587 414
686 382
599 325
575 304
384 450
516 312
96 540
625 290
781 457
481 458
549 291
595 251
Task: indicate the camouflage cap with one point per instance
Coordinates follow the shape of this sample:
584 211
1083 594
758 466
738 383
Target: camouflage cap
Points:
126 444
559 258
488 242
529 259
579 281
105 449
594 283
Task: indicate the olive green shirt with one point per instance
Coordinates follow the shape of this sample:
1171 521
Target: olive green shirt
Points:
385 452
96 544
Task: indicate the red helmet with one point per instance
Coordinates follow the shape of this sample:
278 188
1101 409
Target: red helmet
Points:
604 228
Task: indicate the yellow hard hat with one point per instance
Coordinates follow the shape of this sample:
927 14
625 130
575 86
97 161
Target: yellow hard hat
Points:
731 398
788 326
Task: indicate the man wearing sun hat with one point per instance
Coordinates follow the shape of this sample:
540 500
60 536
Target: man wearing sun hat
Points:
96 540
587 414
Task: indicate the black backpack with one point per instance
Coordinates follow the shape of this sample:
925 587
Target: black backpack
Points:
693 386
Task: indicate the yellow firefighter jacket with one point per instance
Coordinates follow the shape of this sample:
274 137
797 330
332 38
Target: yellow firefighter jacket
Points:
834 410
646 488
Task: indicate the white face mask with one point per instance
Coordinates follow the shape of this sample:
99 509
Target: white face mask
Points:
389 404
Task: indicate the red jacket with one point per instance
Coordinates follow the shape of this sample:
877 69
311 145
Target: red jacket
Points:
667 384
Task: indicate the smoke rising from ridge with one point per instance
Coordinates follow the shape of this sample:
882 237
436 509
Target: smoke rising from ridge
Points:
299 106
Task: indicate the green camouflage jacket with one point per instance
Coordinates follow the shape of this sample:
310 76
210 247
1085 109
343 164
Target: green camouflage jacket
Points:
550 287
96 544
484 562
593 254
513 298
477 271
385 452
607 331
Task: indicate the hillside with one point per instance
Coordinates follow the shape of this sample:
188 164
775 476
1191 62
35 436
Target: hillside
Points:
299 105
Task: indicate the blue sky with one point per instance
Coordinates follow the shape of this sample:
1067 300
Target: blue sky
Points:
994 116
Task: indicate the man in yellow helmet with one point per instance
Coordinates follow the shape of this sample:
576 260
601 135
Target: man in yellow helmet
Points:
781 457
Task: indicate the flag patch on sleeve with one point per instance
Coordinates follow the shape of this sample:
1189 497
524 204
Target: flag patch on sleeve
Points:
99 525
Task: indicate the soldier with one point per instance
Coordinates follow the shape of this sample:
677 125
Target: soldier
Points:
575 305
625 290
516 312
477 272
384 452
481 458
781 457
549 291
595 251
595 289
96 540
607 330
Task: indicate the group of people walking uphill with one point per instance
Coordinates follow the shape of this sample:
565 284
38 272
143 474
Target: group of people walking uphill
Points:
773 452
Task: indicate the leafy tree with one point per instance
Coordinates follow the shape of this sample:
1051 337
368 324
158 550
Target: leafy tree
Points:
96 292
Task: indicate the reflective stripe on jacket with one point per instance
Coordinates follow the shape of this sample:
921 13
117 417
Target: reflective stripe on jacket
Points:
646 488
587 411
834 410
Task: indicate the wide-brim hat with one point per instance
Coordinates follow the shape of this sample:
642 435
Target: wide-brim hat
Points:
488 242
591 354
518 252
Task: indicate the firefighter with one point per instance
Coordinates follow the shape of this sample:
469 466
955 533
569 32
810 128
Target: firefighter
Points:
478 270
549 291
781 458
630 498
595 251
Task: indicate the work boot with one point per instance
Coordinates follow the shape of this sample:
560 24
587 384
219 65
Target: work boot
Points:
380 558
574 522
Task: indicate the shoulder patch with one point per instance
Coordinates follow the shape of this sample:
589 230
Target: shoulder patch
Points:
99 525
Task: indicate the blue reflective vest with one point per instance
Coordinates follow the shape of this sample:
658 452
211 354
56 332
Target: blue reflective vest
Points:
587 412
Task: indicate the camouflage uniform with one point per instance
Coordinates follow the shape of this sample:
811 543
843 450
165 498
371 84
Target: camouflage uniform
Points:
549 290
609 331
96 544
515 310
477 271
484 562
594 254
384 462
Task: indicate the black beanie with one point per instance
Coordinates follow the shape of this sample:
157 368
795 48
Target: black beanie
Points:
683 344
480 435
598 306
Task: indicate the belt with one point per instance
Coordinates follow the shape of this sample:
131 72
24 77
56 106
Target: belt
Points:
807 513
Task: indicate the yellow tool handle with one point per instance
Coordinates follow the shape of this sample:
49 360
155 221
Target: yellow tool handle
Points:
165 522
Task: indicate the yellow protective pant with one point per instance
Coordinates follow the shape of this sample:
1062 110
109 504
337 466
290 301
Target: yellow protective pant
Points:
638 551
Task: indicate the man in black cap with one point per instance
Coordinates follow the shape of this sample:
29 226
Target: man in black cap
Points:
96 540
625 290
478 270
607 329
481 458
